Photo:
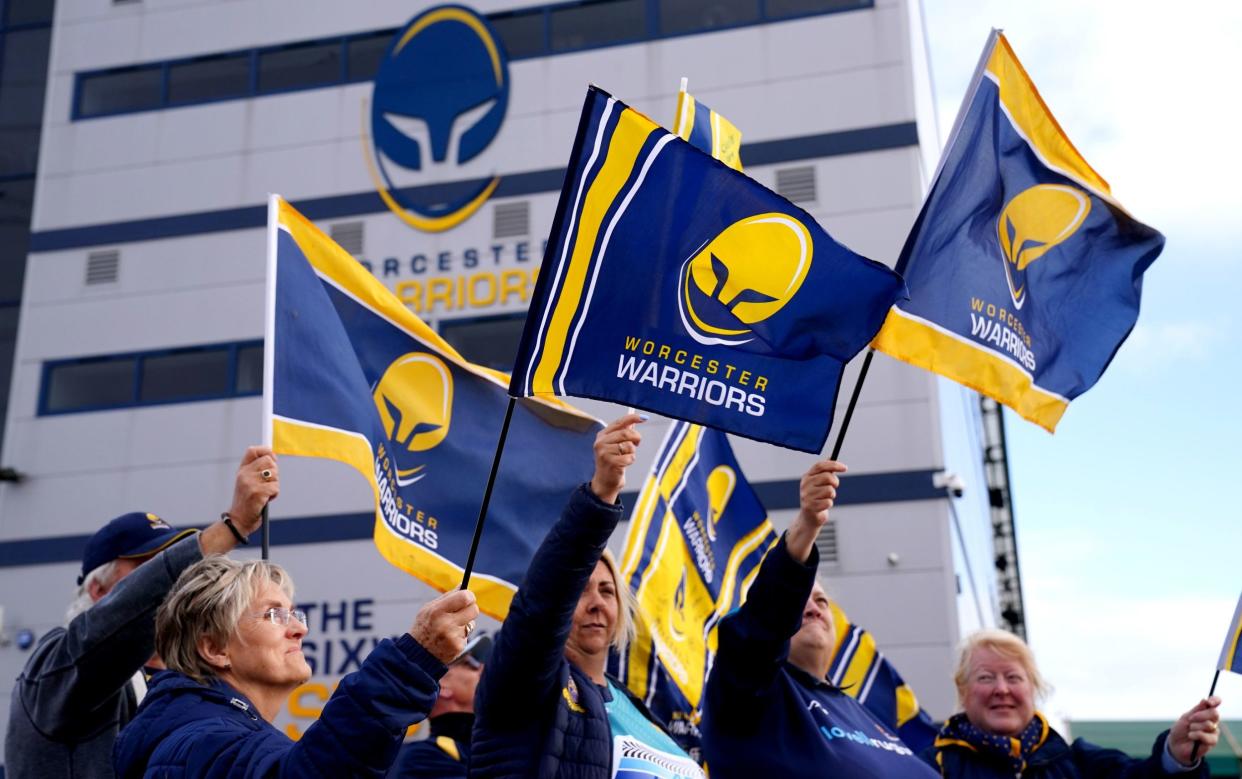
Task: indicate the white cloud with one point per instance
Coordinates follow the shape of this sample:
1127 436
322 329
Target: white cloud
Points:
1156 347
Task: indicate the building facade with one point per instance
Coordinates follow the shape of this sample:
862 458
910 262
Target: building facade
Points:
138 370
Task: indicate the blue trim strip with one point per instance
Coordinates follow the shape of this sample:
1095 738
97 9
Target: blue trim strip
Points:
857 490
892 136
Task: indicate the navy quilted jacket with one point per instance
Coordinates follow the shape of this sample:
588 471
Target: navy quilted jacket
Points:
185 729
536 714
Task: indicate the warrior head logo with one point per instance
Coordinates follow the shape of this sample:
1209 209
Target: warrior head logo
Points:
1031 224
720 484
743 276
414 398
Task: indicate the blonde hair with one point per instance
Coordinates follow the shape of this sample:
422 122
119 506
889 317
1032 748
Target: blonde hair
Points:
1008 646
627 606
209 600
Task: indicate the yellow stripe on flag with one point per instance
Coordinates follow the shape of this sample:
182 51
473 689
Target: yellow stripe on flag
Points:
912 340
1032 118
683 122
627 141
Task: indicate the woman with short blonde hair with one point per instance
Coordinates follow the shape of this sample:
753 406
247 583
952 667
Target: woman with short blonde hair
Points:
999 733
232 641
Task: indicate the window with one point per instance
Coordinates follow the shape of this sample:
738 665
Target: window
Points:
683 16
134 89
209 79
16 198
23 71
598 24
166 376
302 65
778 9
28 12
89 384
522 32
364 54
188 374
490 341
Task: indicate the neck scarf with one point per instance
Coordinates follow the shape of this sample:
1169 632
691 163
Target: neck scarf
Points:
959 731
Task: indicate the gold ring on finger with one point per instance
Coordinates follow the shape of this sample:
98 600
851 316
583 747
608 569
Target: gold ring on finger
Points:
266 473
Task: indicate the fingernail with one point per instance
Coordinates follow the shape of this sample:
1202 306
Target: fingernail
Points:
643 417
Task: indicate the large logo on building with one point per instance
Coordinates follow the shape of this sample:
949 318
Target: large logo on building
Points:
743 276
1035 221
414 398
439 100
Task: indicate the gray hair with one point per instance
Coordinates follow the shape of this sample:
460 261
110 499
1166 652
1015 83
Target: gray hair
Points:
627 606
82 601
209 600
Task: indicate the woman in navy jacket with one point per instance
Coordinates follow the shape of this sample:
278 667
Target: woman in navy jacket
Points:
1000 735
232 643
545 707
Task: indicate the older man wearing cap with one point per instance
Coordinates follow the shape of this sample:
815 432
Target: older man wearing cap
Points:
445 753
82 682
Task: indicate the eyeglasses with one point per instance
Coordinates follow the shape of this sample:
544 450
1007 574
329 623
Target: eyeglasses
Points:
279 616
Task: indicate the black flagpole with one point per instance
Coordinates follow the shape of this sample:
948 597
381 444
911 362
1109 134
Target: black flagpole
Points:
267 536
1194 751
849 410
487 495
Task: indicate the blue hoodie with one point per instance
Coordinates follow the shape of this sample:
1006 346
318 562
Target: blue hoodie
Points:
763 716
186 729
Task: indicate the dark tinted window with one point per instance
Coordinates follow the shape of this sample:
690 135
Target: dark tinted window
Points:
300 66
208 79
595 24
185 375
16 198
28 11
23 78
522 33
8 339
90 384
492 342
250 369
127 90
780 8
683 16
364 54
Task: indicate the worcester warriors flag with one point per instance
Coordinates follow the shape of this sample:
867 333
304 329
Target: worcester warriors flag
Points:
1024 272
1230 656
697 535
707 130
675 284
354 376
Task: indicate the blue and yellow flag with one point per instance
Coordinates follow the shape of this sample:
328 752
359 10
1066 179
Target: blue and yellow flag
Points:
675 284
697 535
354 376
707 130
862 671
1024 272
1230 657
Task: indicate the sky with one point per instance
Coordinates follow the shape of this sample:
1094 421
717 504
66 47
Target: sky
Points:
1129 526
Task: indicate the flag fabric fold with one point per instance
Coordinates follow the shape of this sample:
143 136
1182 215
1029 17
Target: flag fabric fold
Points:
1024 272
705 129
1230 657
354 376
675 284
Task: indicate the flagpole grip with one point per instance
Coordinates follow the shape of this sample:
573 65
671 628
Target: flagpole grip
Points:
849 410
487 495
1194 751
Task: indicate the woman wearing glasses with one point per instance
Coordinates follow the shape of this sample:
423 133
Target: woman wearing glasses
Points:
233 647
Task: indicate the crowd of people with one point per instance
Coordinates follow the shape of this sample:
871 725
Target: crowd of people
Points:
175 660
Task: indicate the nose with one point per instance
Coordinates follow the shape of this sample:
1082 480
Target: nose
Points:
295 628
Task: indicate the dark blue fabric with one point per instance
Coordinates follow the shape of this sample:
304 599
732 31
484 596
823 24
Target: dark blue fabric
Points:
185 729
536 714
1056 760
427 759
763 716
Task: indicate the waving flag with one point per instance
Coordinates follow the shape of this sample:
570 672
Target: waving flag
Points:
707 130
1230 657
1024 272
675 284
697 535
354 376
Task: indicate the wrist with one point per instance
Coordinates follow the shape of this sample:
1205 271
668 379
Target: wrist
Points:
237 534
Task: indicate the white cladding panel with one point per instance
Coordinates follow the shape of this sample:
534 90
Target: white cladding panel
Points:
806 77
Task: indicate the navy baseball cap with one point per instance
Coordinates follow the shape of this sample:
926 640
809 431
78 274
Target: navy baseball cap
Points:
137 534
478 649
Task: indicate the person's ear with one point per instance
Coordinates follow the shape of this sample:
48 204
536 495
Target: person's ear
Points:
213 654
97 589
